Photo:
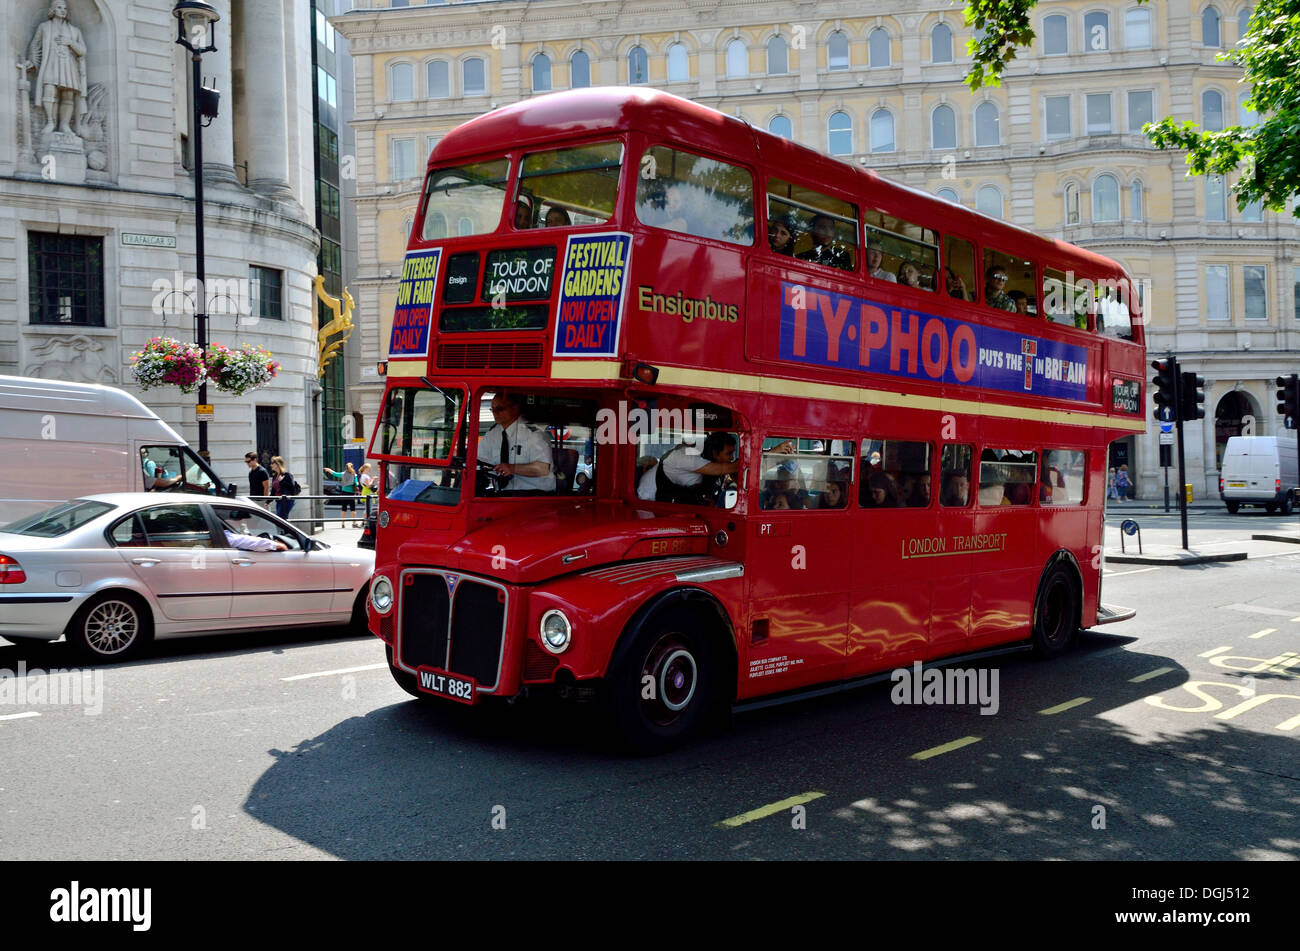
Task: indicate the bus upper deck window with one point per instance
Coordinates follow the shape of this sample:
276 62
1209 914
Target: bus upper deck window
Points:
1010 283
811 226
473 194
563 187
899 251
695 195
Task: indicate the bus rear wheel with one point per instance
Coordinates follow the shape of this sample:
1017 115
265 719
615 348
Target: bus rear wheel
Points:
1056 611
661 689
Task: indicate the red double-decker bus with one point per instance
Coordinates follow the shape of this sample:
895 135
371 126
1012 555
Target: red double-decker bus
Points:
687 416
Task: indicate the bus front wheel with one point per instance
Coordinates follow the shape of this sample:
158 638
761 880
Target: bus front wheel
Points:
1056 611
661 688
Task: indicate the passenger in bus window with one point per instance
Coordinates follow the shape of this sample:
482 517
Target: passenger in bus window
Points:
906 485
956 489
921 492
1023 303
880 492
908 274
523 215
689 477
780 236
955 285
995 279
833 496
557 217
875 257
826 250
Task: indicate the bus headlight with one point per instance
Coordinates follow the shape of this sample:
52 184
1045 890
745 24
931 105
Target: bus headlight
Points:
556 631
381 594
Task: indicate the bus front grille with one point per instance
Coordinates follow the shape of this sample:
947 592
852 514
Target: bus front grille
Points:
452 623
489 356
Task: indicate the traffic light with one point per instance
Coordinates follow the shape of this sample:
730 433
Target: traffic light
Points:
1288 398
1193 395
1163 387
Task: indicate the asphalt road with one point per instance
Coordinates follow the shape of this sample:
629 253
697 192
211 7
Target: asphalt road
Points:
1169 736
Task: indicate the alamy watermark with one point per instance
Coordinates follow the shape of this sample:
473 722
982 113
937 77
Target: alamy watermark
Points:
55 688
947 686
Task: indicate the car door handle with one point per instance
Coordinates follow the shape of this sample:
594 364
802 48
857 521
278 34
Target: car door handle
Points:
241 562
146 562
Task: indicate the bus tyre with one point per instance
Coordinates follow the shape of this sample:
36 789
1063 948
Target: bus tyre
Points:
1232 507
404 679
110 627
1056 611
661 690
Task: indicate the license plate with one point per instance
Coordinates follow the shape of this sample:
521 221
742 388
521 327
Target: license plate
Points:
443 684
1236 485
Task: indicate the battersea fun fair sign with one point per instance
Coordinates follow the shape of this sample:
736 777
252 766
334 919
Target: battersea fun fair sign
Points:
591 294
838 330
411 318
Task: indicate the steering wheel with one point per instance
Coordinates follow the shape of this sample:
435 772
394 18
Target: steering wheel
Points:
266 535
487 480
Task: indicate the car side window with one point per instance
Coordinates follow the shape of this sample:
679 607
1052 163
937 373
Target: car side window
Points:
249 522
175 526
128 533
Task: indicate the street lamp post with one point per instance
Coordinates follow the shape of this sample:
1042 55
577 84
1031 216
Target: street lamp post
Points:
196 31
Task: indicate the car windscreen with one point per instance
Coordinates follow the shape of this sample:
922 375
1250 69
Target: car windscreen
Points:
58 519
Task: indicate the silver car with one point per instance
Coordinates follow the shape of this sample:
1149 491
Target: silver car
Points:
111 571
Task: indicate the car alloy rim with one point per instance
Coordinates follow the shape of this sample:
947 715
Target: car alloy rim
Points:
112 626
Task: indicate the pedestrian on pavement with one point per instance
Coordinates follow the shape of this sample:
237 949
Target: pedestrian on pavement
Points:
347 480
369 485
259 480
282 485
1122 484
1111 491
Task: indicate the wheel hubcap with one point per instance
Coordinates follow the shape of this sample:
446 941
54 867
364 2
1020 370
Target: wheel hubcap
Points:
111 627
671 668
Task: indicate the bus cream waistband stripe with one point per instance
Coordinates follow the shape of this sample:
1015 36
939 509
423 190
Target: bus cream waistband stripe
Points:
801 389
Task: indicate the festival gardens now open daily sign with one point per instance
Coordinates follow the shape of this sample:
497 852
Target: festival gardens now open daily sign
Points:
591 295
414 312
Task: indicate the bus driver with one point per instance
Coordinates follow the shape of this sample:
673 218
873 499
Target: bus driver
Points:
689 477
516 450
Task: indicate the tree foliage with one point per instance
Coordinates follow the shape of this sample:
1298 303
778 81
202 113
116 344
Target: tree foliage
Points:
1269 56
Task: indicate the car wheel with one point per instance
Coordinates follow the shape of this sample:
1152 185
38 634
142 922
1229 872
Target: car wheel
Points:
360 623
1232 507
112 626
661 689
1056 611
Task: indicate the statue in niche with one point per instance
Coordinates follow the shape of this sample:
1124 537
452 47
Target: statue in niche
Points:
58 54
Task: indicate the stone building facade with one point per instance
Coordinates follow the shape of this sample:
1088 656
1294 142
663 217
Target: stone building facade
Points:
1056 148
97 224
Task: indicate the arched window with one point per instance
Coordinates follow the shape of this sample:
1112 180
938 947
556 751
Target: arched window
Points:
778 60
1246 116
1135 200
737 58
1056 35
579 70
1210 27
839 134
941 44
435 226
943 128
679 70
638 71
1105 198
438 79
1096 32
1216 205
1071 204
947 194
1211 111
988 201
780 125
401 82
465 226
1137 29
473 77
1243 22
878 48
837 50
882 131
541 73
986 124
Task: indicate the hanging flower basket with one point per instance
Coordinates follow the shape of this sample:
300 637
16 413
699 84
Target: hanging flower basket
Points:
239 371
168 362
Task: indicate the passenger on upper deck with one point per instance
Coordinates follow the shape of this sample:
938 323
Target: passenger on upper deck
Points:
908 274
557 217
780 236
826 250
875 255
995 279
955 284
515 450
689 477
523 215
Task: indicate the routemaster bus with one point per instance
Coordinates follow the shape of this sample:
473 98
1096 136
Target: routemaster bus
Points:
683 416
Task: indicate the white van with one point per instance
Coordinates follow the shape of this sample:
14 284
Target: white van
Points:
1260 470
62 440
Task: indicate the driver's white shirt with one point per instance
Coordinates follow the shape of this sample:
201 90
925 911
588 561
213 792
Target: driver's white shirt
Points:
526 445
248 542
